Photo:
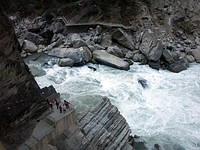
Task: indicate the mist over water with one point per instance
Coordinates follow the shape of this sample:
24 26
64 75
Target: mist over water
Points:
166 112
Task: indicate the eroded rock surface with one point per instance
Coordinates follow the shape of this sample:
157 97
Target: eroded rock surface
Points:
21 99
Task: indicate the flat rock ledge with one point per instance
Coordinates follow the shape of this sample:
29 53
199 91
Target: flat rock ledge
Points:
104 58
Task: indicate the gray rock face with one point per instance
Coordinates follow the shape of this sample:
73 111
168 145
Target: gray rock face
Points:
80 55
123 39
115 50
66 62
105 128
29 46
105 58
34 38
178 66
21 100
167 56
150 46
196 54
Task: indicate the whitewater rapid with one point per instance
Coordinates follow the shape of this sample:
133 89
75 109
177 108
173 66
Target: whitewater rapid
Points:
167 112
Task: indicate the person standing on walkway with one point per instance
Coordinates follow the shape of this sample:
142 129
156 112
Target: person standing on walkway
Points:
57 104
60 107
67 104
51 105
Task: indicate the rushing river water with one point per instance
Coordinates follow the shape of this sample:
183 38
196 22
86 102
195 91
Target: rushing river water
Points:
167 112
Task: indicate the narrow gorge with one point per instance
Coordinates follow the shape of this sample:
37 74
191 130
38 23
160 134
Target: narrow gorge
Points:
130 70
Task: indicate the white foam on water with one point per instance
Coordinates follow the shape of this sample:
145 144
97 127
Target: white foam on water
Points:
167 112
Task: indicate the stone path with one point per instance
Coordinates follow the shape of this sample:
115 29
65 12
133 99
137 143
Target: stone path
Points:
45 127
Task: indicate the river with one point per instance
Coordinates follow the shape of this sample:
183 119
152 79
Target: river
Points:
166 112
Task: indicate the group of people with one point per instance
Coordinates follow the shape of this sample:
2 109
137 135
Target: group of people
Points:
62 106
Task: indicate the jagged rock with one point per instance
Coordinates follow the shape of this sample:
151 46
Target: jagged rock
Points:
66 62
129 55
21 100
122 38
74 37
105 58
29 46
80 55
143 82
47 35
79 43
105 127
57 27
196 54
106 40
138 57
154 64
190 58
178 66
115 50
35 38
99 47
151 47
167 56
96 39
57 38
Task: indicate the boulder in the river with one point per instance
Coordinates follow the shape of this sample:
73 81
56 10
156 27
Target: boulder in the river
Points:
178 66
143 82
80 55
105 58
122 38
63 62
29 46
154 64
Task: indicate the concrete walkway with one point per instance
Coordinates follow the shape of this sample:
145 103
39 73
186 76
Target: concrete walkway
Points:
45 127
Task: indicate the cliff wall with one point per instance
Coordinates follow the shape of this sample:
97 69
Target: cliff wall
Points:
20 100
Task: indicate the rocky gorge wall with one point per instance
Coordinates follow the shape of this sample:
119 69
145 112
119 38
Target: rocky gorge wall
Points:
20 101
162 34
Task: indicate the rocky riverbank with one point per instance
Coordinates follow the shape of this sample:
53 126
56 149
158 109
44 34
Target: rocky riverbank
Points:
162 44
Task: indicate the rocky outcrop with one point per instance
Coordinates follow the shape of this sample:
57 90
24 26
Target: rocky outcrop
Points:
105 127
105 58
21 100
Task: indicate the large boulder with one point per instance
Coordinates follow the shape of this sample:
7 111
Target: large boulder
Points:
35 38
29 46
57 26
115 50
63 62
77 41
151 47
122 38
80 55
196 54
178 66
105 58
